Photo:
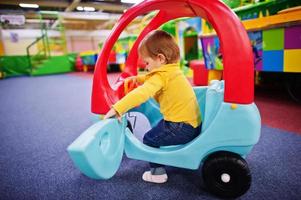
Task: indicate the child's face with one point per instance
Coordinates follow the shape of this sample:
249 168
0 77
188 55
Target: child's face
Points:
152 63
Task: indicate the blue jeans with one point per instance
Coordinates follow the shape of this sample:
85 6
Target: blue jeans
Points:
167 133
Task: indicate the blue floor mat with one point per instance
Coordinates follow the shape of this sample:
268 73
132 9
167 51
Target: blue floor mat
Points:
41 116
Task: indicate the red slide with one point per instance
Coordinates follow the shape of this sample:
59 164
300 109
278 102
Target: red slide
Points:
235 45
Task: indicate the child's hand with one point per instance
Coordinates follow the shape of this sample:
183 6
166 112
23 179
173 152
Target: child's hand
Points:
129 84
111 113
131 79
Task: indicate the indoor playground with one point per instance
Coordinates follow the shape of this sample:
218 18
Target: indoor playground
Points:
64 64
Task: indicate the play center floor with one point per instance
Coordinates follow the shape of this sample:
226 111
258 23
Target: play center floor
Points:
41 116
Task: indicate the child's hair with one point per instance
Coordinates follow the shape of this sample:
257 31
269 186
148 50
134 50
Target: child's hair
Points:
160 42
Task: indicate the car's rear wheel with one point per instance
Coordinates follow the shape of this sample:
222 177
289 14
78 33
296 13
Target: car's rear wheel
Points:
226 174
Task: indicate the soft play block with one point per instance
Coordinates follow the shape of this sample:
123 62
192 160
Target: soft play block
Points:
292 37
292 60
273 39
273 61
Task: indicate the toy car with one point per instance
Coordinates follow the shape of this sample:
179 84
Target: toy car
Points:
229 131
231 121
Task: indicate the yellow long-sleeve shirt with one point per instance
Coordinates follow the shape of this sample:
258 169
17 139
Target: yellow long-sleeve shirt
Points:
170 88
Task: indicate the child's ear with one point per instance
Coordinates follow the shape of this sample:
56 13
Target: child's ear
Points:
162 58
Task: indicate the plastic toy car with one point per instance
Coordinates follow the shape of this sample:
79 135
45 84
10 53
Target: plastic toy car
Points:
231 121
229 132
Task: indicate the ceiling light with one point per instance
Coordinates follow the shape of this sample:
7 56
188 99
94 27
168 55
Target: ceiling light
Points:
49 12
131 1
89 9
28 5
79 8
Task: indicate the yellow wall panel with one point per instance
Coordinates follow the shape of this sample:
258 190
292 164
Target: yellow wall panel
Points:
292 60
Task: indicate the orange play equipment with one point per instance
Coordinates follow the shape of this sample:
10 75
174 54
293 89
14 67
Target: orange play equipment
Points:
237 52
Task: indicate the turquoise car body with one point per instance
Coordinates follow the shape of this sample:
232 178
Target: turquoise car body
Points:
225 127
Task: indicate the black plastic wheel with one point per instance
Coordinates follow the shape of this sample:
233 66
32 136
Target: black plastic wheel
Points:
226 174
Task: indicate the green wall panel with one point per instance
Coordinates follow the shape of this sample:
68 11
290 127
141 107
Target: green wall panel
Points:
273 39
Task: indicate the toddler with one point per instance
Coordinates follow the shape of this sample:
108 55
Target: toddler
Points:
166 83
